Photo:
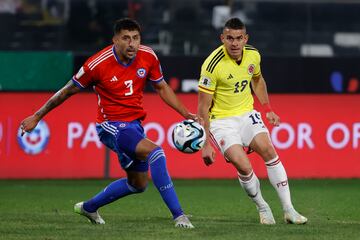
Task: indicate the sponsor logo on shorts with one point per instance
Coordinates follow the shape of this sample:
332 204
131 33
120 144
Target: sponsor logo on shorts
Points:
36 141
122 125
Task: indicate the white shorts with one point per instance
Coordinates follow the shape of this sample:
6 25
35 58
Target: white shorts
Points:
226 132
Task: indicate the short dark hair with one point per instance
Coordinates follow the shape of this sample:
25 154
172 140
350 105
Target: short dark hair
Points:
126 24
234 23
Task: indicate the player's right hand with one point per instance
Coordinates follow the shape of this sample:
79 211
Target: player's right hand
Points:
273 118
28 124
208 154
195 117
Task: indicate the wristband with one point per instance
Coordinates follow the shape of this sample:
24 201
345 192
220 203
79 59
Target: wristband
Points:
267 107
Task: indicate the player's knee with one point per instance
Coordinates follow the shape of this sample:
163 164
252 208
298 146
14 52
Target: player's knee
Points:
244 170
243 166
145 148
267 151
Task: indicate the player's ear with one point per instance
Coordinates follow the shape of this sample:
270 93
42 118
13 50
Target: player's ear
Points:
222 38
246 38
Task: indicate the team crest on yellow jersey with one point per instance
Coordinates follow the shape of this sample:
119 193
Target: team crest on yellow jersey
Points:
251 69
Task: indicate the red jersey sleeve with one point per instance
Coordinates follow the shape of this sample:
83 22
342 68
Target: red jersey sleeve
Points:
155 73
84 77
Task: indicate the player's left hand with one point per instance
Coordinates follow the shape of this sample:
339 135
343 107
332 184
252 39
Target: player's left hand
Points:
28 124
273 118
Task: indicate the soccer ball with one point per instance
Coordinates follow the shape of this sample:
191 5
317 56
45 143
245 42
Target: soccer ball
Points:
188 136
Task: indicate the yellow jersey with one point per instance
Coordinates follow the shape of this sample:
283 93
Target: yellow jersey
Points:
229 81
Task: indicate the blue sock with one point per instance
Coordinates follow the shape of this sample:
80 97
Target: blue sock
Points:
162 181
115 190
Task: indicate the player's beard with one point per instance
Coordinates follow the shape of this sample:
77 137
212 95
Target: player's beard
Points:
130 52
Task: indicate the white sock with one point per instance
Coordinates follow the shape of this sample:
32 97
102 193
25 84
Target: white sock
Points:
278 179
250 183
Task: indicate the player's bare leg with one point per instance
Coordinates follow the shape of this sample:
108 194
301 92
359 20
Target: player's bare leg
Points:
249 182
277 176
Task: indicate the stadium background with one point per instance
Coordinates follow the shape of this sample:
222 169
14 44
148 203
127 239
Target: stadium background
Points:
310 54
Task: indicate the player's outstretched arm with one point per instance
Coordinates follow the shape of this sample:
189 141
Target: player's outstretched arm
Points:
29 123
259 87
204 103
170 98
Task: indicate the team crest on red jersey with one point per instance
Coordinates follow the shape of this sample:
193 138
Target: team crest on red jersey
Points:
141 72
251 69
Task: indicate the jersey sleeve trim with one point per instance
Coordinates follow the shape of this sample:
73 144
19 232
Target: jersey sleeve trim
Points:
257 74
157 80
202 89
77 83
250 47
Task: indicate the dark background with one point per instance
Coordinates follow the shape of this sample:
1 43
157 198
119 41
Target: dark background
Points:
306 46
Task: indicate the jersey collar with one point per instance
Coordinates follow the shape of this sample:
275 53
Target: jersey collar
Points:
118 59
233 60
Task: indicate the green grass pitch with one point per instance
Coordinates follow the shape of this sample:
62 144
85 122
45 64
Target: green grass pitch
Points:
43 210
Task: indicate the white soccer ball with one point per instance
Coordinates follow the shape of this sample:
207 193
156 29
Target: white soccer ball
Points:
188 136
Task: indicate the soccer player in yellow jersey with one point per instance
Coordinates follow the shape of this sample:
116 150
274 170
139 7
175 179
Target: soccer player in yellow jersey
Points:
226 105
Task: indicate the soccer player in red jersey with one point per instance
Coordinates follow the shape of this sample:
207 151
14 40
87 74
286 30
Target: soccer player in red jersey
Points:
118 75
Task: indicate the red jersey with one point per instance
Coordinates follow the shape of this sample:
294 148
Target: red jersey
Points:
119 87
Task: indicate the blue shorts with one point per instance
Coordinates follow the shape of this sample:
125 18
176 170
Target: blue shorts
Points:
122 138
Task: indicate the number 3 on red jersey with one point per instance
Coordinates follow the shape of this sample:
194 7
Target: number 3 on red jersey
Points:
129 84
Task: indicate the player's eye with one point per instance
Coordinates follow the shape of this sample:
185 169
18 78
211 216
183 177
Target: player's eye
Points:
230 38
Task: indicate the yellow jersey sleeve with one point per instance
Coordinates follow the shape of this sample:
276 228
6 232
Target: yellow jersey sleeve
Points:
207 82
257 70
257 59
208 76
